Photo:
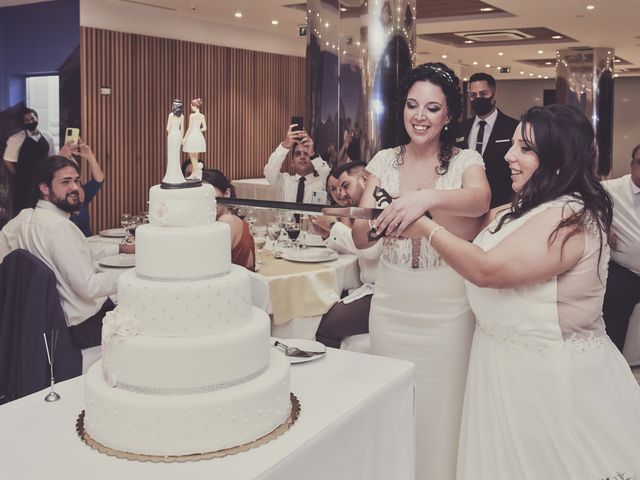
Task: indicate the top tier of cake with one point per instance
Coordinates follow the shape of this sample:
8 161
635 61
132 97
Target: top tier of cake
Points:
184 207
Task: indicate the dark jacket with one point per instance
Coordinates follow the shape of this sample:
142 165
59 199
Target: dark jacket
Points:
496 167
29 307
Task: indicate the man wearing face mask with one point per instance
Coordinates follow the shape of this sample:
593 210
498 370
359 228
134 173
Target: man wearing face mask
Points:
24 151
489 132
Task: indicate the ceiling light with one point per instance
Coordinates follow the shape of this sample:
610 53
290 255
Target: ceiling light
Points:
475 63
498 68
616 60
326 25
444 56
343 9
557 37
541 51
521 72
274 22
539 76
465 79
590 7
488 65
500 54
238 14
546 76
548 63
531 74
487 9
469 41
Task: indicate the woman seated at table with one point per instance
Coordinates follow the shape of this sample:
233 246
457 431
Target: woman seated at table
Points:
243 250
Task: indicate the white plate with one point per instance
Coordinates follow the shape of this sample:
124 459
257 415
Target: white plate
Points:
302 344
114 233
314 241
122 260
313 255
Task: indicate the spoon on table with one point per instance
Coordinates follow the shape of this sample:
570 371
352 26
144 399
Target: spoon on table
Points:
295 351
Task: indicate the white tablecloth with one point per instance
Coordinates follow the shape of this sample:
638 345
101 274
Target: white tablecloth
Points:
357 422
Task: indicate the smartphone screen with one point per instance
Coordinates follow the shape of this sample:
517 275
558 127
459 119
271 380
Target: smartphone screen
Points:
298 122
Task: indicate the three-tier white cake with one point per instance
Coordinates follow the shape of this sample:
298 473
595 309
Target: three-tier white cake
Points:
187 367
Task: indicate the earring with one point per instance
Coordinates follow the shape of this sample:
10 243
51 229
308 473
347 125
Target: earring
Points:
558 172
446 127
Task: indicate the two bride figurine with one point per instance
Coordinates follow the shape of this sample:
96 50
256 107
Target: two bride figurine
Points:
193 142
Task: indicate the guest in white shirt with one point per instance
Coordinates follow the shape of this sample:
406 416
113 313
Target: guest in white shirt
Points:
310 170
623 282
24 151
349 316
47 232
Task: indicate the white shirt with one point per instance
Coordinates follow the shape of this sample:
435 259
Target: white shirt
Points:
626 221
288 184
47 233
341 240
473 134
15 141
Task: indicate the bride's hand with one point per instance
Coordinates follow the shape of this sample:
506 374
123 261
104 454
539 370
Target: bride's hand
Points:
402 212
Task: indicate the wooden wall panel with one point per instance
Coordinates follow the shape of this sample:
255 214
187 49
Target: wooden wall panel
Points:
248 100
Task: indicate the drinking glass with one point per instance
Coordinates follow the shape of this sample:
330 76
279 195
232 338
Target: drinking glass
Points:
273 232
126 220
250 219
259 240
293 231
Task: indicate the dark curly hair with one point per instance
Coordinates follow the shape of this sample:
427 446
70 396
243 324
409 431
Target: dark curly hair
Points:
564 142
441 75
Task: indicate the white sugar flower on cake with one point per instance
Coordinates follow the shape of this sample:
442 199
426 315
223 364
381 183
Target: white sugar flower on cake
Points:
115 327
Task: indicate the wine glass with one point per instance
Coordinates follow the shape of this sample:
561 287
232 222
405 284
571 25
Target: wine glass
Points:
305 226
126 220
293 231
250 219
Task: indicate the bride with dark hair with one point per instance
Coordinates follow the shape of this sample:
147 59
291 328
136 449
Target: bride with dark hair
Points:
548 394
419 311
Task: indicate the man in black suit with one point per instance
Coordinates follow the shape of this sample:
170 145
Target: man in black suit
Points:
489 132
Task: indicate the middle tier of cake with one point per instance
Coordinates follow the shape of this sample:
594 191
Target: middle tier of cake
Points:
190 308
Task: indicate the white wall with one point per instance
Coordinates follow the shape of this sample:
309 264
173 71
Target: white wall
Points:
516 96
155 22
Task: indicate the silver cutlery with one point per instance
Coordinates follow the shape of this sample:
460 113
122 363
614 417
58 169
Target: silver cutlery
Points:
295 351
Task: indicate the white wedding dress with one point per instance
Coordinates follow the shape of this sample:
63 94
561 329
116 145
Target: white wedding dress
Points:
548 394
420 313
194 139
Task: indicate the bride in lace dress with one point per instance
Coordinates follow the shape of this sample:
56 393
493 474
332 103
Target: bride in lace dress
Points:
420 311
548 394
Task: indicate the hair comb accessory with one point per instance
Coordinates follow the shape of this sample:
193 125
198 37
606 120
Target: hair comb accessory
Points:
439 71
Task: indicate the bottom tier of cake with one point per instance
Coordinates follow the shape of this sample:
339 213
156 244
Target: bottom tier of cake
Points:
187 424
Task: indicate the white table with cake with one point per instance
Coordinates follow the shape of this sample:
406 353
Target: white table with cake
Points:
356 422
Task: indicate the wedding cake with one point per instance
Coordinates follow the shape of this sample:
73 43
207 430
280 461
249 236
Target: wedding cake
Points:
187 367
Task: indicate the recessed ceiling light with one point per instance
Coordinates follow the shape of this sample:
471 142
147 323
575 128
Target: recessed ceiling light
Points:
531 74
487 9
557 37
475 63
500 54
343 9
548 63
444 56
617 60
465 79
591 7
521 72
326 25
327 44
498 68
238 14
540 51
539 76
488 65
469 41
546 76
274 22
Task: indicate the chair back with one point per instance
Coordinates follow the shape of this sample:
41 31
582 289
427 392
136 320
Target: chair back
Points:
260 296
30 306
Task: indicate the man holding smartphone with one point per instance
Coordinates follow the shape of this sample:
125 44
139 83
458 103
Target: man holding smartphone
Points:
25 150
310 170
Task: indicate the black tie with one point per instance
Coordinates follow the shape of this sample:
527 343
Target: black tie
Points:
300 195
480 138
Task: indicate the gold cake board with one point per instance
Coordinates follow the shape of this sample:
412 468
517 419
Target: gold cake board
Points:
279 430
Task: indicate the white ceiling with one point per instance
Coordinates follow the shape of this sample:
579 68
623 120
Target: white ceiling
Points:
612 24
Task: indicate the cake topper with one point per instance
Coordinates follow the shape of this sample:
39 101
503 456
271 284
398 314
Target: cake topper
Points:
193 142
175 126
